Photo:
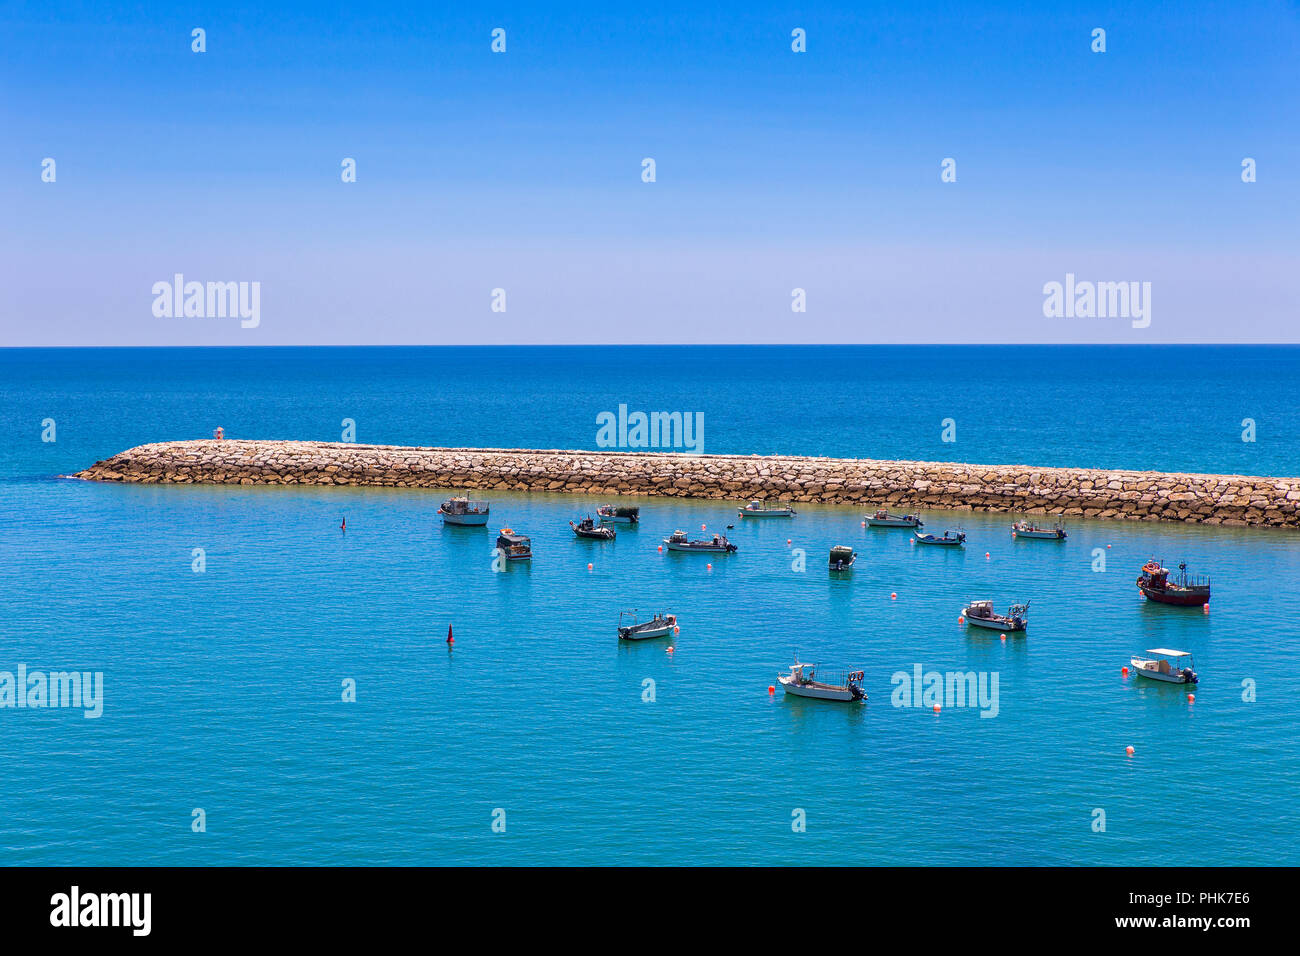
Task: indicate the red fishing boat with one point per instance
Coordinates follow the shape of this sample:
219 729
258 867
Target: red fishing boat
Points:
1155 584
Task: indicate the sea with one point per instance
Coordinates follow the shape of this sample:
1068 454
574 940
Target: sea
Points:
279 690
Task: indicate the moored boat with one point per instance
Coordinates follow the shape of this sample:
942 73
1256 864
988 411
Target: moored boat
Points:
515 547
1154 583
1172 667
802 682
619 513
462 511
842 558
885 519
766 509
981 614
661 625
586 528
1027 529
718 544
952 539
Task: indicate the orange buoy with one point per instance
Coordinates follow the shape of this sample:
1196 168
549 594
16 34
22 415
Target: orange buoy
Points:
986 554
661 549
1129 750
787 542
588 565
1191 698
1004 638
936 708
709 567
1107 546
771 688
702 527
676 629
864 524
961 619
1206 607
893 595
1124 671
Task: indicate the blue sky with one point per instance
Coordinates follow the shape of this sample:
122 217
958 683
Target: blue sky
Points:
775 170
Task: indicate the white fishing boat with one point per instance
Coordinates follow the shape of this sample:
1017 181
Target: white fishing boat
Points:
462 511
981 614
1172 667
766 509
1027 529
661 625
802 682
884 519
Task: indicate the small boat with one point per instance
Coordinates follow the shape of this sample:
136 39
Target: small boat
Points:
981 614
462 511
842 558
1027 529
953 539
1155 584
586 528
1172 667
765 509
516 547
661 625
718 544
618 513
802 682
884 519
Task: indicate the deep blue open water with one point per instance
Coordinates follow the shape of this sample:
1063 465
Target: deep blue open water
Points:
223 689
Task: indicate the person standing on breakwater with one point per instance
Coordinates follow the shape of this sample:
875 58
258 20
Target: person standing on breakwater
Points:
219 434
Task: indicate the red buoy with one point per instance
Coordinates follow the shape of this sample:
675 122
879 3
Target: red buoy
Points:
450 639
1129 750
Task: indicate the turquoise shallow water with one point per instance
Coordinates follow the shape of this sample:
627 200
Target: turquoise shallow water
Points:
223 689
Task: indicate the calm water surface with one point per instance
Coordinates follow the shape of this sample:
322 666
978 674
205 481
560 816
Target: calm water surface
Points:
224 689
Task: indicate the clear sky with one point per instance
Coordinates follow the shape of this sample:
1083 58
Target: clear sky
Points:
775 170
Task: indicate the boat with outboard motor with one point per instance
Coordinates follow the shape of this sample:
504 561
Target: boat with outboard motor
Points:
587 528
842 558
885 519
515 547
1172 667
1027 529
462 511
981 614
661 625
621 514
766 509
952 539
718 544
802 682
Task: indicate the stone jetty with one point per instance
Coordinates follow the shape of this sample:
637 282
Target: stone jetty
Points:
1091 493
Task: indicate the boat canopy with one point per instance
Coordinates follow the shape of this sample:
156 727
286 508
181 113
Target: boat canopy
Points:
1166 652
